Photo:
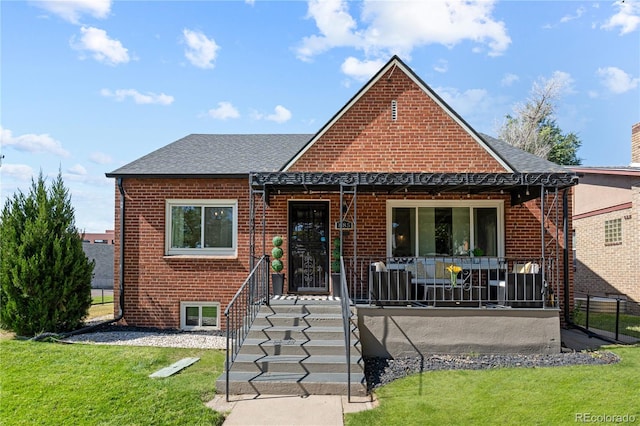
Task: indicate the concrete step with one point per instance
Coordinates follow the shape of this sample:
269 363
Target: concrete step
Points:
295 319
299 334
295 363
303 309
290 347
293 383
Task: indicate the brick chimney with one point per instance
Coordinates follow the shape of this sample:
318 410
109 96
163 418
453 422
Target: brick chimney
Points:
635 145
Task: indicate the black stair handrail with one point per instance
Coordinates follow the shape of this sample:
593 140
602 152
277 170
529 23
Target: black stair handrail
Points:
346 322
243 309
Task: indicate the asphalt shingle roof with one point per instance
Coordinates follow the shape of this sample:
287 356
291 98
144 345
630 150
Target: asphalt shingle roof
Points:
206 154
237 154
522 161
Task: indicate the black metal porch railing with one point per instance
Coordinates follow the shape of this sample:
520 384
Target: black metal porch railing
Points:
446 281
243 309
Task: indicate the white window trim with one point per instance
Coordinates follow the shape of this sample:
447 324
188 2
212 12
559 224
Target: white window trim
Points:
199 305
210 251
497 204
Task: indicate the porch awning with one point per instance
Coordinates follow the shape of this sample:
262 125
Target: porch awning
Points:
521 186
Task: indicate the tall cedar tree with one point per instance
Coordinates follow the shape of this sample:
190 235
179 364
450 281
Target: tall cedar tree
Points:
45 276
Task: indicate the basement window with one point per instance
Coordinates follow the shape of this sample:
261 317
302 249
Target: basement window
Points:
199 315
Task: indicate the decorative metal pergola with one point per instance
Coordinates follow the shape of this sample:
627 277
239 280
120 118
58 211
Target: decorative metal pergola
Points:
522 187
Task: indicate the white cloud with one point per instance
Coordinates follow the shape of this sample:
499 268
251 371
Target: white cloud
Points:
360 70
30 142
224 111
616 80
72 10
139 98
336 26
464 103
399 27
102 48
77 169
441 66
508 79
579 12
100 158
201 51
627 17
280 115
18 171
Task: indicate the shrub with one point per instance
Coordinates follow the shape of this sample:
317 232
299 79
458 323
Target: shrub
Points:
45 276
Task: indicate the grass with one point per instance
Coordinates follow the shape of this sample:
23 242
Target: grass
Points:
107 298
100 311
533 396
57 384
628 324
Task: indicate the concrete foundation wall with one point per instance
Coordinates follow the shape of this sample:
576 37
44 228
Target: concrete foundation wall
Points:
392 332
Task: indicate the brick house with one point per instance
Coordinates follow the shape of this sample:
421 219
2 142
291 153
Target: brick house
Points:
606 223
429 214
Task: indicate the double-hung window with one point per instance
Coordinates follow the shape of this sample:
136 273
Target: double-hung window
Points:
445 228
202 227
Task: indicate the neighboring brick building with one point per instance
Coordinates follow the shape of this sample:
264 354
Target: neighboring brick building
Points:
413 181
106 237
607 229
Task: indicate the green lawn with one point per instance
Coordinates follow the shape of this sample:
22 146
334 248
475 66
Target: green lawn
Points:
107 298
510 396
58 384
628 324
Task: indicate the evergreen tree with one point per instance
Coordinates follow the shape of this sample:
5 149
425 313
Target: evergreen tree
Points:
45 276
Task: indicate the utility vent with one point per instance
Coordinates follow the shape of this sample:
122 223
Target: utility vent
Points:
394 110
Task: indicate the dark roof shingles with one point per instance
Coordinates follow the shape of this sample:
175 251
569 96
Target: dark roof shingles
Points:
237 154
207 154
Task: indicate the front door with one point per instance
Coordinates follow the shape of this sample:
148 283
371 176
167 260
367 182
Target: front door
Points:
308 246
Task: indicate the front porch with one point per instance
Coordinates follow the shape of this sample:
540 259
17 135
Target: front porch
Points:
452 282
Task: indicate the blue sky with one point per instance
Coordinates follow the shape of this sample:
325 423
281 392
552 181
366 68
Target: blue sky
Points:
90 85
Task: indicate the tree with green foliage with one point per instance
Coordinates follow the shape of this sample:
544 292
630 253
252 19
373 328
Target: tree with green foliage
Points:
45 276
534 129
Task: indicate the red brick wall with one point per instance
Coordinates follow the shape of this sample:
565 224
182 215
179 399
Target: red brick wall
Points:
154 284
423 138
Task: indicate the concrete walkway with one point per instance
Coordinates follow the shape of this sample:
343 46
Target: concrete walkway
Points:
287 410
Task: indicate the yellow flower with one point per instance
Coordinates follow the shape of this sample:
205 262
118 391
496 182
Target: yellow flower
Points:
454 269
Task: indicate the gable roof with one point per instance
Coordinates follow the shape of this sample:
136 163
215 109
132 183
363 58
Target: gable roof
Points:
209 155
394 64
237 155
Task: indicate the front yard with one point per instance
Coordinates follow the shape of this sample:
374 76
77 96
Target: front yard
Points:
53 384
543 396
60 384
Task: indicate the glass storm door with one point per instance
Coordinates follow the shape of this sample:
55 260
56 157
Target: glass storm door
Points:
308 246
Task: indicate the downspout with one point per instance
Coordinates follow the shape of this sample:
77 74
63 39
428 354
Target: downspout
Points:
121 287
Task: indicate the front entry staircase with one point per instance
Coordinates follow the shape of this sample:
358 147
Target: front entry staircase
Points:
296 346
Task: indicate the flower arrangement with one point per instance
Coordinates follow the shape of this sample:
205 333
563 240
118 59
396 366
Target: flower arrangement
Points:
454 270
